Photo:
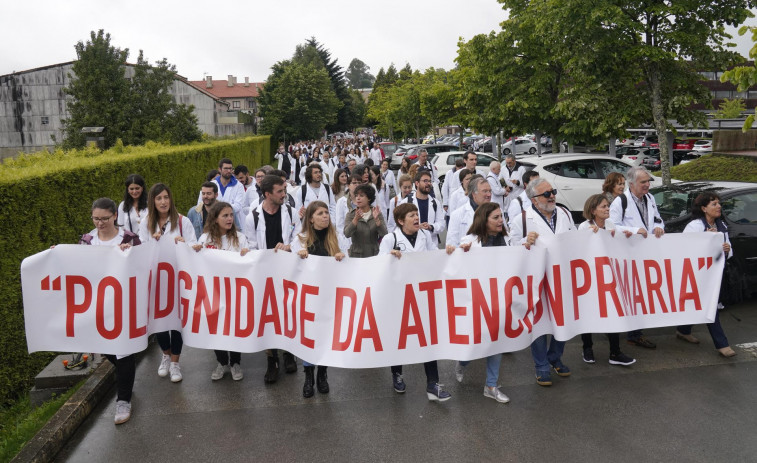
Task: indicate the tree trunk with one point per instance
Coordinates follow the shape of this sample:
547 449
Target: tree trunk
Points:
537 135
660 123
612 146
461 136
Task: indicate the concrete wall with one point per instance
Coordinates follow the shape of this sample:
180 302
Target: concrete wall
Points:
28 97
734 140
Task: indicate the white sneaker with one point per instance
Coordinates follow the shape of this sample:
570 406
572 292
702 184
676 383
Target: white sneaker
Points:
218 372
163 368
123 411
459 372
494 393
175 372
236 372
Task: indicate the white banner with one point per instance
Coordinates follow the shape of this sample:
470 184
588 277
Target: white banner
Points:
371 312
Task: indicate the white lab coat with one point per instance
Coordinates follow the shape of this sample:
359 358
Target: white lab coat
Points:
535 223
290 226
632 218
424 242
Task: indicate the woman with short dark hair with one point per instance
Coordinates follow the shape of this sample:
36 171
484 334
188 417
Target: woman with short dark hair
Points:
707 213
364 225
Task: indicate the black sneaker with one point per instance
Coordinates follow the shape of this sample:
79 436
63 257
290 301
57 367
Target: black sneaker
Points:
621 359
588 355
290 364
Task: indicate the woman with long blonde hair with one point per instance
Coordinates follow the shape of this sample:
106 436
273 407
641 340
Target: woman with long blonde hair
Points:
318 237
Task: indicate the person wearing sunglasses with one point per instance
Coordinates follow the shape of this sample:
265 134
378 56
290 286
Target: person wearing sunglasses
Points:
538 226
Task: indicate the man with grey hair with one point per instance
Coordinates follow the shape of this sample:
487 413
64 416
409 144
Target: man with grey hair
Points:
499 192
512 175
636 209
538 226
462 218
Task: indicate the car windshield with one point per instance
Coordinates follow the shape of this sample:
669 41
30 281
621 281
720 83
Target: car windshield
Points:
389 149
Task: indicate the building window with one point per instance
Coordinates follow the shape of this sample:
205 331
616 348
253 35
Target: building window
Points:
708 75
235 105
45 120
721 94
741 95
251 104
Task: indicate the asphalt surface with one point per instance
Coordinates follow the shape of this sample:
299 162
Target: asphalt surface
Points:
679 402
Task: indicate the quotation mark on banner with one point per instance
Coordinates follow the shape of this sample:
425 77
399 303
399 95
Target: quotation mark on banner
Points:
46 284
702 262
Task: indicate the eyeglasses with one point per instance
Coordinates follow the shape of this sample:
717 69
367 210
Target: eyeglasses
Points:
101 219
547 194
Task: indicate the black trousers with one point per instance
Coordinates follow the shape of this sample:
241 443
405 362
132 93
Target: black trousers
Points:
431 369
226 357
170 340
126 368
614 339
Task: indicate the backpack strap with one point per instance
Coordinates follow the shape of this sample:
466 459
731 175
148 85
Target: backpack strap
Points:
255 218
181 225
304 192
623 205
523 218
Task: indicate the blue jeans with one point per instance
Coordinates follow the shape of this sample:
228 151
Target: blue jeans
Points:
715 329
492 368
544 357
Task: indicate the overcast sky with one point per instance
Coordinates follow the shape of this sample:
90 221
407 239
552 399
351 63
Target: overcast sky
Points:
244 38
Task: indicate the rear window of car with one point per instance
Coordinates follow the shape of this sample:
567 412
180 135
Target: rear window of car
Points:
672 204
579 169
484 161
607 166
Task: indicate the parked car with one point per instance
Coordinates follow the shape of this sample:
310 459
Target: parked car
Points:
412 153
398 155
739 209
522 145
702 146
637 156
684 145
388 148
576 176
652 160
688 157
445 161
647 141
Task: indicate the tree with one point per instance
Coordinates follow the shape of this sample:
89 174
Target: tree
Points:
358 76
135 110
310 53
98 90
730 109
669 42
298 101
745 76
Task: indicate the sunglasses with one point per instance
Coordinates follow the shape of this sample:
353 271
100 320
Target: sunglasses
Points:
547 194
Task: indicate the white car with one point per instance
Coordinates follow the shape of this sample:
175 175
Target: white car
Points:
522 145
575 176
636 156
444 162
702 146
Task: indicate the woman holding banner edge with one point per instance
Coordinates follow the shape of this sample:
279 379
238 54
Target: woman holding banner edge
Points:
318 238
108 233
707 213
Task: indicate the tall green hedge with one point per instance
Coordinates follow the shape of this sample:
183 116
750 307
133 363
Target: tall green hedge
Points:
45 199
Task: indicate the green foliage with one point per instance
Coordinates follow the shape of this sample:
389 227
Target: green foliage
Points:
20 422
717 167
297 101
45 200
358 74
134 110
730 109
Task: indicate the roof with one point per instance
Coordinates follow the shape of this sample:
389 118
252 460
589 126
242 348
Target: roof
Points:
221 89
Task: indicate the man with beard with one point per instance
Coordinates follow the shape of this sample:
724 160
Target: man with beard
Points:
429 210
198 214
230 190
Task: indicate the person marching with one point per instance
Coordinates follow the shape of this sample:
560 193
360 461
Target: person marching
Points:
163 220
221 233
108 233
410 237
134 204
318 238
363 224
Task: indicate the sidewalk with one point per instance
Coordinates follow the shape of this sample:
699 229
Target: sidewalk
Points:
680 402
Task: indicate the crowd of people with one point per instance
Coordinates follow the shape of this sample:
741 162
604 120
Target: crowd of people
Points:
342 199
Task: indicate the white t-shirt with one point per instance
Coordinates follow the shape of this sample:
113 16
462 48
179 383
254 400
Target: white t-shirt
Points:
115 241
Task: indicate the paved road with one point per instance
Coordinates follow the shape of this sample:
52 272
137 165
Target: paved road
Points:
680 402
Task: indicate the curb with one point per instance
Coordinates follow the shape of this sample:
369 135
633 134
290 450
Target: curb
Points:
53 436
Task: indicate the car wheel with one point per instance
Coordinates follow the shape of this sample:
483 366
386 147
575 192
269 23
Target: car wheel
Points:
506 151
532 150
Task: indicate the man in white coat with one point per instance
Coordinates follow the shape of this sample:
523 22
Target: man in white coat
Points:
314 190
539 225
230 190
471 161
273 225
513 176
462 218
375 154
637 210
499 192
522 201
430 211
